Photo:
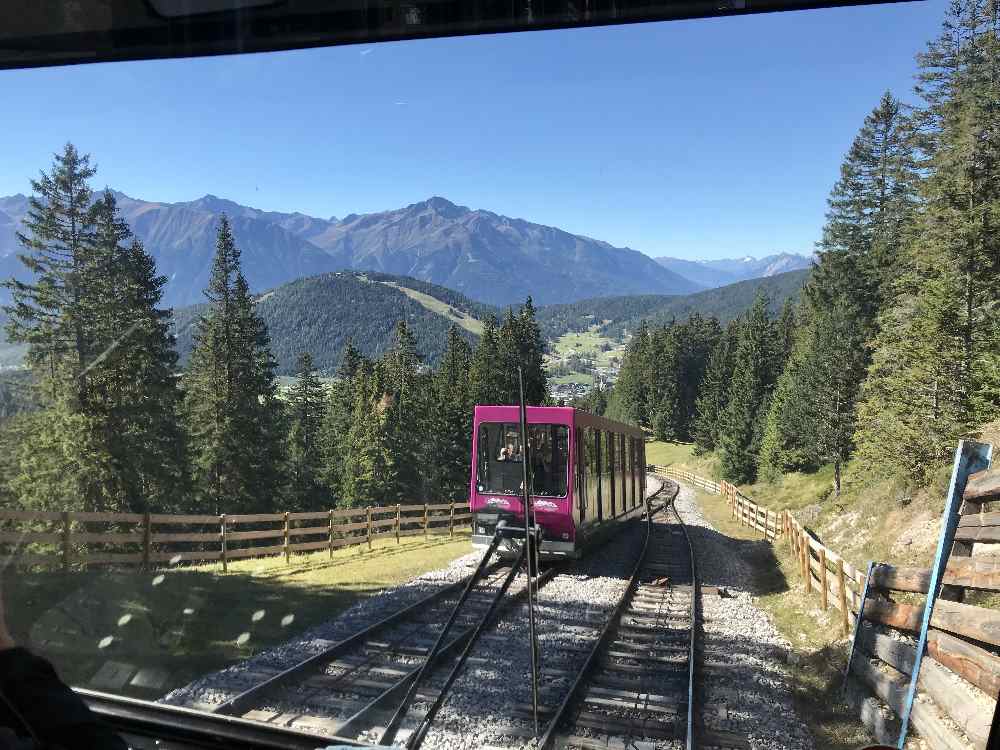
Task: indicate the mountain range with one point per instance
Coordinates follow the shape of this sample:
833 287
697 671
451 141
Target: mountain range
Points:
319 313
489 257
715 273
615 315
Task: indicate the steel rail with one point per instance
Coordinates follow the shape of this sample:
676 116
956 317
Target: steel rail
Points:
361 720
693 628
547 740
416 738
245 700
390 732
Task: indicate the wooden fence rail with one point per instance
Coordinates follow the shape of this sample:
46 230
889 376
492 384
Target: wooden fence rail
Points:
68 539
963 640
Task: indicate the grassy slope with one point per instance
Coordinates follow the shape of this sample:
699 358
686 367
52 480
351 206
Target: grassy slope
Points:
186 621
869 521
586 344
466 321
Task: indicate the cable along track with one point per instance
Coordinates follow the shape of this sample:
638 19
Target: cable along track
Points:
637 688
363 685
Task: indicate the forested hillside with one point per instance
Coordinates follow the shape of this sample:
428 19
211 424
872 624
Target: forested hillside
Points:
321 313
892 353
627 312
118 424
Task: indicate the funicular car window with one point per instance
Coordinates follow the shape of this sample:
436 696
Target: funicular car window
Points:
499 465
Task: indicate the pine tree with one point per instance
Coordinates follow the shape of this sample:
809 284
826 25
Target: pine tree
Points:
48 312
109 438
713 395
233 416
869 209
338 419
754 374
786 331
932 378
486 376
306 413
663 363
370 476
812 417
532 352
406 399
450 428
133 388
631 398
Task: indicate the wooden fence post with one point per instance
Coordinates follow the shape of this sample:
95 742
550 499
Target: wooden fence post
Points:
822 578
426 520
331 533
147 540
222 537
288 549
66 530
845 618
451 520
368 517
806 557
397 523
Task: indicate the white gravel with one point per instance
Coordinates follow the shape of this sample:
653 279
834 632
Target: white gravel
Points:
749 691
217 687
481 702
750 695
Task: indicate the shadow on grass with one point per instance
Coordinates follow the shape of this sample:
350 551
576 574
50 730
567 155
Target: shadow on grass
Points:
818 679
362 554
144 633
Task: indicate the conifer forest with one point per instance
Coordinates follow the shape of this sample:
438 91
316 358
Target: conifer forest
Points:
889 356
892 353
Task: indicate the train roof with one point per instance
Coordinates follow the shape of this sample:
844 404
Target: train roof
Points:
567 415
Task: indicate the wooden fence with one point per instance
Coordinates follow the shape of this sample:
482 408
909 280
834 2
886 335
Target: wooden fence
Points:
770 523
959 678
69 539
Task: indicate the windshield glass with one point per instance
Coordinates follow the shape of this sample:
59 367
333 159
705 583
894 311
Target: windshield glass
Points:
250 303
499 466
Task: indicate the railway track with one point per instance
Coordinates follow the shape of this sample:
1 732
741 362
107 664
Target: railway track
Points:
638 686
353 688
386 683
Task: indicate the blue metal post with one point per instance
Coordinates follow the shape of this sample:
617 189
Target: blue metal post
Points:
970 457
857 623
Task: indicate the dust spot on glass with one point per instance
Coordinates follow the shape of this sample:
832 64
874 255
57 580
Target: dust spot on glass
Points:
244 637
158 580
287 620
106 641
258 615
175 559
124 620
188 611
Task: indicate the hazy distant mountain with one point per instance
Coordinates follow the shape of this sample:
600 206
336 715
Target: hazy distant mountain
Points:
616 314
181 236
493 258
716 273
484 255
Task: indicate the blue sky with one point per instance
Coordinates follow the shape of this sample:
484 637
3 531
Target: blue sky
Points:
700 139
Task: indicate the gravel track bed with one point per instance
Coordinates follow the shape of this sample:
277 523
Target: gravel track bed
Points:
218 687
745 687
570 610
479 707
